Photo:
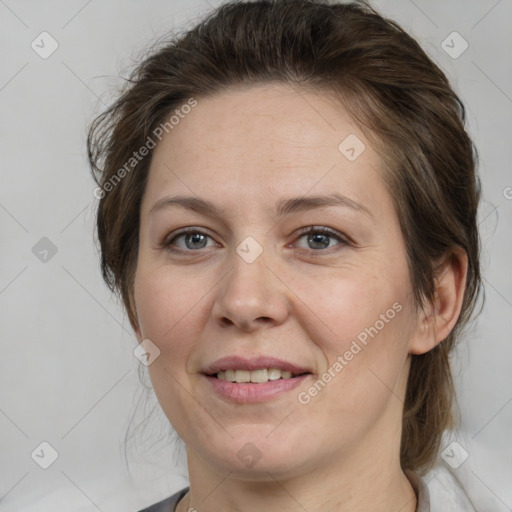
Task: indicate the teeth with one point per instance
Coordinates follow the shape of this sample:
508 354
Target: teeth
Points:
259 376
274 373
242 376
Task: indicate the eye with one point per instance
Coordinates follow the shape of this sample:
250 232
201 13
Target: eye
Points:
192 239
319 237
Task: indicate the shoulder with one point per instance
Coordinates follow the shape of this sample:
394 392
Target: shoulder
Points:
168 504
447 490
456 490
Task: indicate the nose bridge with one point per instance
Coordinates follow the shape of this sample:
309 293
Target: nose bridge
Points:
250 292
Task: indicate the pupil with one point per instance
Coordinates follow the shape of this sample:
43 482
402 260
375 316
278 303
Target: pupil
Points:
319 238
196 238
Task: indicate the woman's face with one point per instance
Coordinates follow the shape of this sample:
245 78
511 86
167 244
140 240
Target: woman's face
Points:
298 260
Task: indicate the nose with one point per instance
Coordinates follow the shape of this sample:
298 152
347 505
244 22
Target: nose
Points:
251 295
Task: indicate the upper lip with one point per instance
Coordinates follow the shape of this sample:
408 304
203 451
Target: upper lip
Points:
251 364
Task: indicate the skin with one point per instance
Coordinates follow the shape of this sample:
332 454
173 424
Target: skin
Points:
304 302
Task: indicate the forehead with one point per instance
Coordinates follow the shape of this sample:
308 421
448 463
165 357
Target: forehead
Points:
265 140
262 121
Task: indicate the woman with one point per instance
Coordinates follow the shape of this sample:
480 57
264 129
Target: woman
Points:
288 203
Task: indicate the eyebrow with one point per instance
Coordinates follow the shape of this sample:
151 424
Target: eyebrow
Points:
284 207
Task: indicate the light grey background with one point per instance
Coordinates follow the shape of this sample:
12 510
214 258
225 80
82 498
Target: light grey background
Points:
68 374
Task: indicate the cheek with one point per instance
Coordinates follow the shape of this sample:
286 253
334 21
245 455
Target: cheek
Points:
369 376
365 328
164 303
346 304
169 315
167 311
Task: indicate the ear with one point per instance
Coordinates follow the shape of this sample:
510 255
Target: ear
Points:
437 320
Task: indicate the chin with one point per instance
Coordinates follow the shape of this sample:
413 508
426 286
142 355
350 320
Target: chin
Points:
257 458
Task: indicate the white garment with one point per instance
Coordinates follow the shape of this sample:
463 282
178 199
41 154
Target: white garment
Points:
444 489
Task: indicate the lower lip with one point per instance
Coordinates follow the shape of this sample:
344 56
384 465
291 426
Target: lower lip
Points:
248 392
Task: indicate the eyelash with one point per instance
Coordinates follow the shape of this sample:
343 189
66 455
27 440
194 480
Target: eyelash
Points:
343 240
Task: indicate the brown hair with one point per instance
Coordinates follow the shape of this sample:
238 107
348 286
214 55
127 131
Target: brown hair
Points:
387 84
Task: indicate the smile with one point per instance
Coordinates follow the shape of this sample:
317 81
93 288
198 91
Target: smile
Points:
255 376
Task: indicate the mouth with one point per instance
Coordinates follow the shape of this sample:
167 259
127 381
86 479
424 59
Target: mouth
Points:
243 380
259 376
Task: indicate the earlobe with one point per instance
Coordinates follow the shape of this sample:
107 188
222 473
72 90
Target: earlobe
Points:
438 319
